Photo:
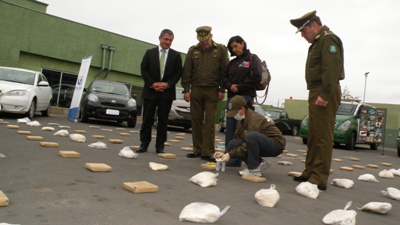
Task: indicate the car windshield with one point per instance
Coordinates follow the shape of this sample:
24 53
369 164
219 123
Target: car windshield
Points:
17 76
273 114
346 109
179 94
110 88
259 110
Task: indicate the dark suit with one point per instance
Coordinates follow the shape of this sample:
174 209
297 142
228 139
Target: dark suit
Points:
154 100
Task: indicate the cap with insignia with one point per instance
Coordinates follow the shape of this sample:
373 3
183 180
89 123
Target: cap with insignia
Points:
203 33
301 22
235 104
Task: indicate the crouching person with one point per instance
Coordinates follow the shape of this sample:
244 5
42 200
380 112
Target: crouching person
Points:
255 137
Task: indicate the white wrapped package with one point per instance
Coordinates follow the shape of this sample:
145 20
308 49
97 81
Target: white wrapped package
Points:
386 174
62 133
127 152
201 212
392 192
157 166
23 120
308 189
33 123
205 179
8 224
99 145
344 183
377 207
395 172
341 216
368 177
267 197
77 137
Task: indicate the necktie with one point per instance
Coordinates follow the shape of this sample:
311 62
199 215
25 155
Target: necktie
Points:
162 61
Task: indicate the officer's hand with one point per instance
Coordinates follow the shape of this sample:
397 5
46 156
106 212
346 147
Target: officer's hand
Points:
218 155
225 157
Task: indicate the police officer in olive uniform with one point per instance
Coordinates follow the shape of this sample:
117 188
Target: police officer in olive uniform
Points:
324 69
201 80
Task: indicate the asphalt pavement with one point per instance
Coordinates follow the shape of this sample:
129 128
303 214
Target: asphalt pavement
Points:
44 188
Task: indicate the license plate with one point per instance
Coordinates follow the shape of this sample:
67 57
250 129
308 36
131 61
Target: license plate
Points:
112 112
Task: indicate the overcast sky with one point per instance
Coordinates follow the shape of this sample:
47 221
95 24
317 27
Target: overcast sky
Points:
369 29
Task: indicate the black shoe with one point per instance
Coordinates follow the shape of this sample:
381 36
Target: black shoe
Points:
300 179
208 158
141 150
193 155
321 188
160 150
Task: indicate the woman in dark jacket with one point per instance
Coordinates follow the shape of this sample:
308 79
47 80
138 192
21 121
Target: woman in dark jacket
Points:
241 77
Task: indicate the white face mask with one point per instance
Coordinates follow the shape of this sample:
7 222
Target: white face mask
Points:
238 116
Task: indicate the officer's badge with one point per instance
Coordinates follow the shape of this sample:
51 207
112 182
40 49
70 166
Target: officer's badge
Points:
332 49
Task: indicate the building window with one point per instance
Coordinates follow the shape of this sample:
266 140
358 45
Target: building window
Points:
63 85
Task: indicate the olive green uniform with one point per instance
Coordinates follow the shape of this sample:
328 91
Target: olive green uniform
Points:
202 74
324 69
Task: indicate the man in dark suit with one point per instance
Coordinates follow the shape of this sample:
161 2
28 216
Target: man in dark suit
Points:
161 69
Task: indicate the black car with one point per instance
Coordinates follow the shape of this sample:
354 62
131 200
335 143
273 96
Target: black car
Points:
108 100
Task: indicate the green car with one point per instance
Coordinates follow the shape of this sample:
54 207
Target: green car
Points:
356 123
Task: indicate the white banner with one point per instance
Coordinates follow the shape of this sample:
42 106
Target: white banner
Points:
80 84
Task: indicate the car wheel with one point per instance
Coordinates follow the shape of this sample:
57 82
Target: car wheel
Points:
374 146
295 131
351 143
82 116
336 145
132 123
186 127
46 112
305 141
32 108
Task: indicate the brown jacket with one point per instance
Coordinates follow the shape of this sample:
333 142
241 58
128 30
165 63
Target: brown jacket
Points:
255 122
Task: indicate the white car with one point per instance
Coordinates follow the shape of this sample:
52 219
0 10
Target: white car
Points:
24 92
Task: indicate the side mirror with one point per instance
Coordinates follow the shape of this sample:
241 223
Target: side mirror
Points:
43 83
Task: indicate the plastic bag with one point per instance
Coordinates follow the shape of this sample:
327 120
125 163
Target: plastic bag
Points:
341 216
62 133
33 123
99 145
368 177
377 207
127 152
267 197
77 137
392 192
344 183
201 212
386 174
23 120
157 166
205 179
308 189
395 172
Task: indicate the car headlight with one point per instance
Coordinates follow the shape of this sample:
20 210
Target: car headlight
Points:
344 126
16 93
304 122
131 102
93 98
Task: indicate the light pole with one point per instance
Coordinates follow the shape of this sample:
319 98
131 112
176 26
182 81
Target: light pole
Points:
365 85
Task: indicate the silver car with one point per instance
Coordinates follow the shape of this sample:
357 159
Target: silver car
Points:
24 92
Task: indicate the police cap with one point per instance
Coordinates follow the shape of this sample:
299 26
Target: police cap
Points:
203 33
301 22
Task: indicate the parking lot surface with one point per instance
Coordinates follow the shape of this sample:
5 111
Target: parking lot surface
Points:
44 188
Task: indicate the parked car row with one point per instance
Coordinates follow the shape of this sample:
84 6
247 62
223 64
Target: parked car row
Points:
284 123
